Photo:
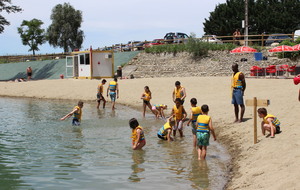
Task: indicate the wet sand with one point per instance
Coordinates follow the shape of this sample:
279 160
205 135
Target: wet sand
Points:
269 164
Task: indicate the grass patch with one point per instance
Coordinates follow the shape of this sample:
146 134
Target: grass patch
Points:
194 46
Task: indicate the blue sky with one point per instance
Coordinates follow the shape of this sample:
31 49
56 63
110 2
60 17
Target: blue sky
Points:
110 22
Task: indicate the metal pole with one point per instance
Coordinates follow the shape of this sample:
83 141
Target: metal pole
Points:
246 23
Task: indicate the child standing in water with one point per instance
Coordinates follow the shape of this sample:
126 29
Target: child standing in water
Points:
77 111
165 131
195 112
270 122
180 115
113 91
138 138
146 96
204 129
100 96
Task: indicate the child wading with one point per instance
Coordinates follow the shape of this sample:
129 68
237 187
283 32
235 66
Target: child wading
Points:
204 129
195 112
180 115
270 122
138 138
165 131
146 97
100 96
158 109
77 111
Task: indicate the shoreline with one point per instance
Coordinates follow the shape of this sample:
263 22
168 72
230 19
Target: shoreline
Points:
253 166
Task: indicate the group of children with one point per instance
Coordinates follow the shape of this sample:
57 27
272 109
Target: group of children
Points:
199 119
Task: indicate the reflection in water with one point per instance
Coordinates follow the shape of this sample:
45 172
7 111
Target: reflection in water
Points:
138 159
198 172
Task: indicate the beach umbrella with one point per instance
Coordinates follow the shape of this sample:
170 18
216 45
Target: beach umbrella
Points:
282 48
243 49
296 47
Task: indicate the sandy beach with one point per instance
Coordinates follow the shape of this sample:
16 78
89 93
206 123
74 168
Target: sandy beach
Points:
269 164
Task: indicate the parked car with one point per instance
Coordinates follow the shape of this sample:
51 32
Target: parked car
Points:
177 37
130 45
138 46
211 39
154 43
276 38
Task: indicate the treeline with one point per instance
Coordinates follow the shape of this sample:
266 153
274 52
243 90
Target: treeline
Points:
264 16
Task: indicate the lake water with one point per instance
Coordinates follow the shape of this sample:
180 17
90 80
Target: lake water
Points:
37 151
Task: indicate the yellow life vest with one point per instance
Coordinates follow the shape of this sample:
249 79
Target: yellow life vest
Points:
203 123
178 92
196 112
78 113
178 112
235 81
113 86
163 131
147 96
275 121
134 134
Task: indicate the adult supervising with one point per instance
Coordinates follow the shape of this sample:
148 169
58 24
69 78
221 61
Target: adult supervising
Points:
238 86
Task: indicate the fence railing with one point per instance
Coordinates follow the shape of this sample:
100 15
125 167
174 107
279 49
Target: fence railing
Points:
24 58
259 40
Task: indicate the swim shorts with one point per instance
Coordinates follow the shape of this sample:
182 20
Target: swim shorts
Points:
194 128
100 97
75 122
112 96
146 102
237 97
179 126
161 137
203 138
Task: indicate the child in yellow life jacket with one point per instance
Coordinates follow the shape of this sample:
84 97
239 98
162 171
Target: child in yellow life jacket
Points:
165 131
195 112
180 114
270 122
146 97
137 135
158 109
204 128
77 111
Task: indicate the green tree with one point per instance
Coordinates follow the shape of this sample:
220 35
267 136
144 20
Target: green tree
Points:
265 16
5 5
65 30
32 34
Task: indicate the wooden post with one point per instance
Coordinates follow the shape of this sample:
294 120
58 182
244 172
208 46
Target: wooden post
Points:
255 119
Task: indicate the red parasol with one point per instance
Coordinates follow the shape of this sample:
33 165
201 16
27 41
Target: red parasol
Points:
282 48
296 47
243 49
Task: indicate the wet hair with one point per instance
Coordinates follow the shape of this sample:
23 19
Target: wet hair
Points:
103 81
133 123
193 101
204 108
178 100
177 83
262 111
80 103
